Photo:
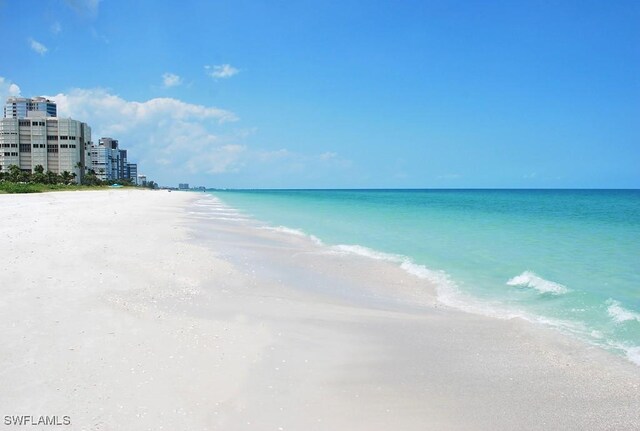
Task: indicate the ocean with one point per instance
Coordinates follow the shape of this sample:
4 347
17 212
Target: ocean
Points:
569 259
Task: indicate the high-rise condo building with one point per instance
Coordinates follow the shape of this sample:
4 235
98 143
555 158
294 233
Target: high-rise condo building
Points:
19 107
108 161
132 172
58 144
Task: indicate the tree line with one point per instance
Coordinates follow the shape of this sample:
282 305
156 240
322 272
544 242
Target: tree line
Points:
14 174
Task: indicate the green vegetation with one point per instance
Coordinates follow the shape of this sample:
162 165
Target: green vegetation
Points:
15 180
9 187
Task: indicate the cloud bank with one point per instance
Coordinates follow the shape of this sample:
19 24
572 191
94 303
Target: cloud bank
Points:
163 134
174 141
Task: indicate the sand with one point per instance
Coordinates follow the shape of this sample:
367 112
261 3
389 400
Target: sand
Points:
141 310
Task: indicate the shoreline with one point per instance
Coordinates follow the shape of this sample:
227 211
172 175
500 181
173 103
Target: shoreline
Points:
149 314
500 280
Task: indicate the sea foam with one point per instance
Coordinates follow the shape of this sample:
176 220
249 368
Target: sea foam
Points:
290 231
621 314
533 281
439 278
447 290
633 354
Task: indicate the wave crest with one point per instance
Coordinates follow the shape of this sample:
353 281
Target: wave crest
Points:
532 280
619 313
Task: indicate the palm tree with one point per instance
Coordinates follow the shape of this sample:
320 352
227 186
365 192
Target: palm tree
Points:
66 177
14 173
52 178
38 175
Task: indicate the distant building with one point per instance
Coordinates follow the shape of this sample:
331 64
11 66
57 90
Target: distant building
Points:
20 107
142 180
183 186
100 161
132 172
58 144
108 161
122 164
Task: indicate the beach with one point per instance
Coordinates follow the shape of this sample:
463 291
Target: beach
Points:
129 309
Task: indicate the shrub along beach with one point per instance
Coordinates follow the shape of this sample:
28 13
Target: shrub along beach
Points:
16 180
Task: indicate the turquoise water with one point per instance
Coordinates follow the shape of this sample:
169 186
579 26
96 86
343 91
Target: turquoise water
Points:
566 258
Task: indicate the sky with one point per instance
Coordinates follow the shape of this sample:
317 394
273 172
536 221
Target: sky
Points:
343 94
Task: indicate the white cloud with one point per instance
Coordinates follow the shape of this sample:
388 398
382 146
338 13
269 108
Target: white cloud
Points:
99 103
38 47
221 71
171 80
193 138
173 140
84 7
328 155
8 89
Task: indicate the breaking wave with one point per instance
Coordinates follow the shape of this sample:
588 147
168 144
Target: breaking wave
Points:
621 314
533 281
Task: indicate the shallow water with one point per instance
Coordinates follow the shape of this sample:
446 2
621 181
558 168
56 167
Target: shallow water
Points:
566 258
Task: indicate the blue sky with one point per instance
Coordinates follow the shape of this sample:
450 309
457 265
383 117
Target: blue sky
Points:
343 93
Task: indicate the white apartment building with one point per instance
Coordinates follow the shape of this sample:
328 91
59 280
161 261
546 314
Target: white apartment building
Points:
31 134
58 144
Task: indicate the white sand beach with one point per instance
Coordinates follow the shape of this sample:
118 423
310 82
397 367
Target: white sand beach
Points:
141 310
